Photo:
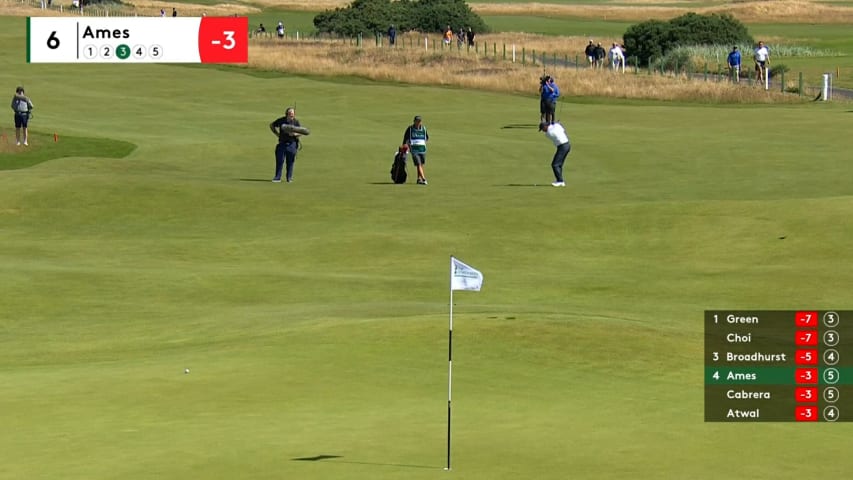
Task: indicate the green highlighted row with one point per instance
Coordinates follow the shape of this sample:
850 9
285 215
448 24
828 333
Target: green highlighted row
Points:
800 376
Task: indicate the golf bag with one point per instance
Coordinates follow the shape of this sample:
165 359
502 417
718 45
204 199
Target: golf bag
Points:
398 168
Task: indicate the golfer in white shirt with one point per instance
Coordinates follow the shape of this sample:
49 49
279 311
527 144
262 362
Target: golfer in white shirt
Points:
557 134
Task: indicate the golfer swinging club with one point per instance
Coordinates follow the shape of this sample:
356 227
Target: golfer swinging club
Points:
557 134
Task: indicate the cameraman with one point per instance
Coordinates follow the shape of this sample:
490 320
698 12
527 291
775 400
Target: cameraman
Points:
548 95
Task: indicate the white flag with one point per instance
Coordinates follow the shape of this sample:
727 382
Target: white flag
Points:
463 277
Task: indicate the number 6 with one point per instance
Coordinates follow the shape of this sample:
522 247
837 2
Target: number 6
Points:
52 41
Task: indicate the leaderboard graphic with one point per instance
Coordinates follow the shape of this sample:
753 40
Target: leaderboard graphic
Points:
137 40
778 366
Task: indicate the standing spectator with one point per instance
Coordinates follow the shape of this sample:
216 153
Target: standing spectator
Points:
174 12
470 37
392 35
416 137
589 52
261 29
762 60
548 95
460 38
288 144
600 55
733 62
448 35
23 108
279 29
557 134
162 12
617 57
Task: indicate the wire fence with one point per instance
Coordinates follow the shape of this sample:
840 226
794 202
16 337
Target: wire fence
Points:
782 80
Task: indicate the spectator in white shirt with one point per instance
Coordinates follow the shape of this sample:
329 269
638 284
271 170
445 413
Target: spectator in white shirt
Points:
617 57
762 60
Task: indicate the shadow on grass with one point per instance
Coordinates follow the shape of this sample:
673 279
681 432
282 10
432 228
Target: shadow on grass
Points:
386 183
48 146
525 185
318 458
521 125
255 180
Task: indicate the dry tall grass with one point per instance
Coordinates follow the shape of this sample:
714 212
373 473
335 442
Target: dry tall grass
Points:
147 8
779 11
152 7
761 11
459 69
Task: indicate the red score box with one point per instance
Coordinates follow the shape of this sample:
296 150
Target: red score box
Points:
223 40
806 337
806 375
806 319
806 394
805 414
806 357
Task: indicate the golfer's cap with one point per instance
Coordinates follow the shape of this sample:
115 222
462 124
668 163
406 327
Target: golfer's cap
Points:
543 126
417 118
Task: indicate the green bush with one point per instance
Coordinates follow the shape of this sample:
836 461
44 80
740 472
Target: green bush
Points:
374 16
655 39
776 70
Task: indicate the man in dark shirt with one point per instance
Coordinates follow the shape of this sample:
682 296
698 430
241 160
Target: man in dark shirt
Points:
392 35
600 55
589 51
288 144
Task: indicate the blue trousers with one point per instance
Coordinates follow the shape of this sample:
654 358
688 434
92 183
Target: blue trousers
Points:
285 155
560 158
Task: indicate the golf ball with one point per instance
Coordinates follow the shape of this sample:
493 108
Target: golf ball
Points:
186 370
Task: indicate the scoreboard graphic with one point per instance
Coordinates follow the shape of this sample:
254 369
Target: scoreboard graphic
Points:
778 366
137 40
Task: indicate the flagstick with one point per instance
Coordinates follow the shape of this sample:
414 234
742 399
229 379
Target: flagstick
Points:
449 374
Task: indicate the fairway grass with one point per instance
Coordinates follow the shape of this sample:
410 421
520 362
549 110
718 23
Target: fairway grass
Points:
313 315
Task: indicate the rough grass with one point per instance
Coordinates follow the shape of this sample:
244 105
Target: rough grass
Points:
141 8
777 11
781 11
459 69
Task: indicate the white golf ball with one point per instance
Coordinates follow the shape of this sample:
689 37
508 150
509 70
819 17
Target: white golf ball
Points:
186 370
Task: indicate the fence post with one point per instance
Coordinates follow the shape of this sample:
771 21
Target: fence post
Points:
523 55
534 56
504 57
783 82
801 84
706 71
